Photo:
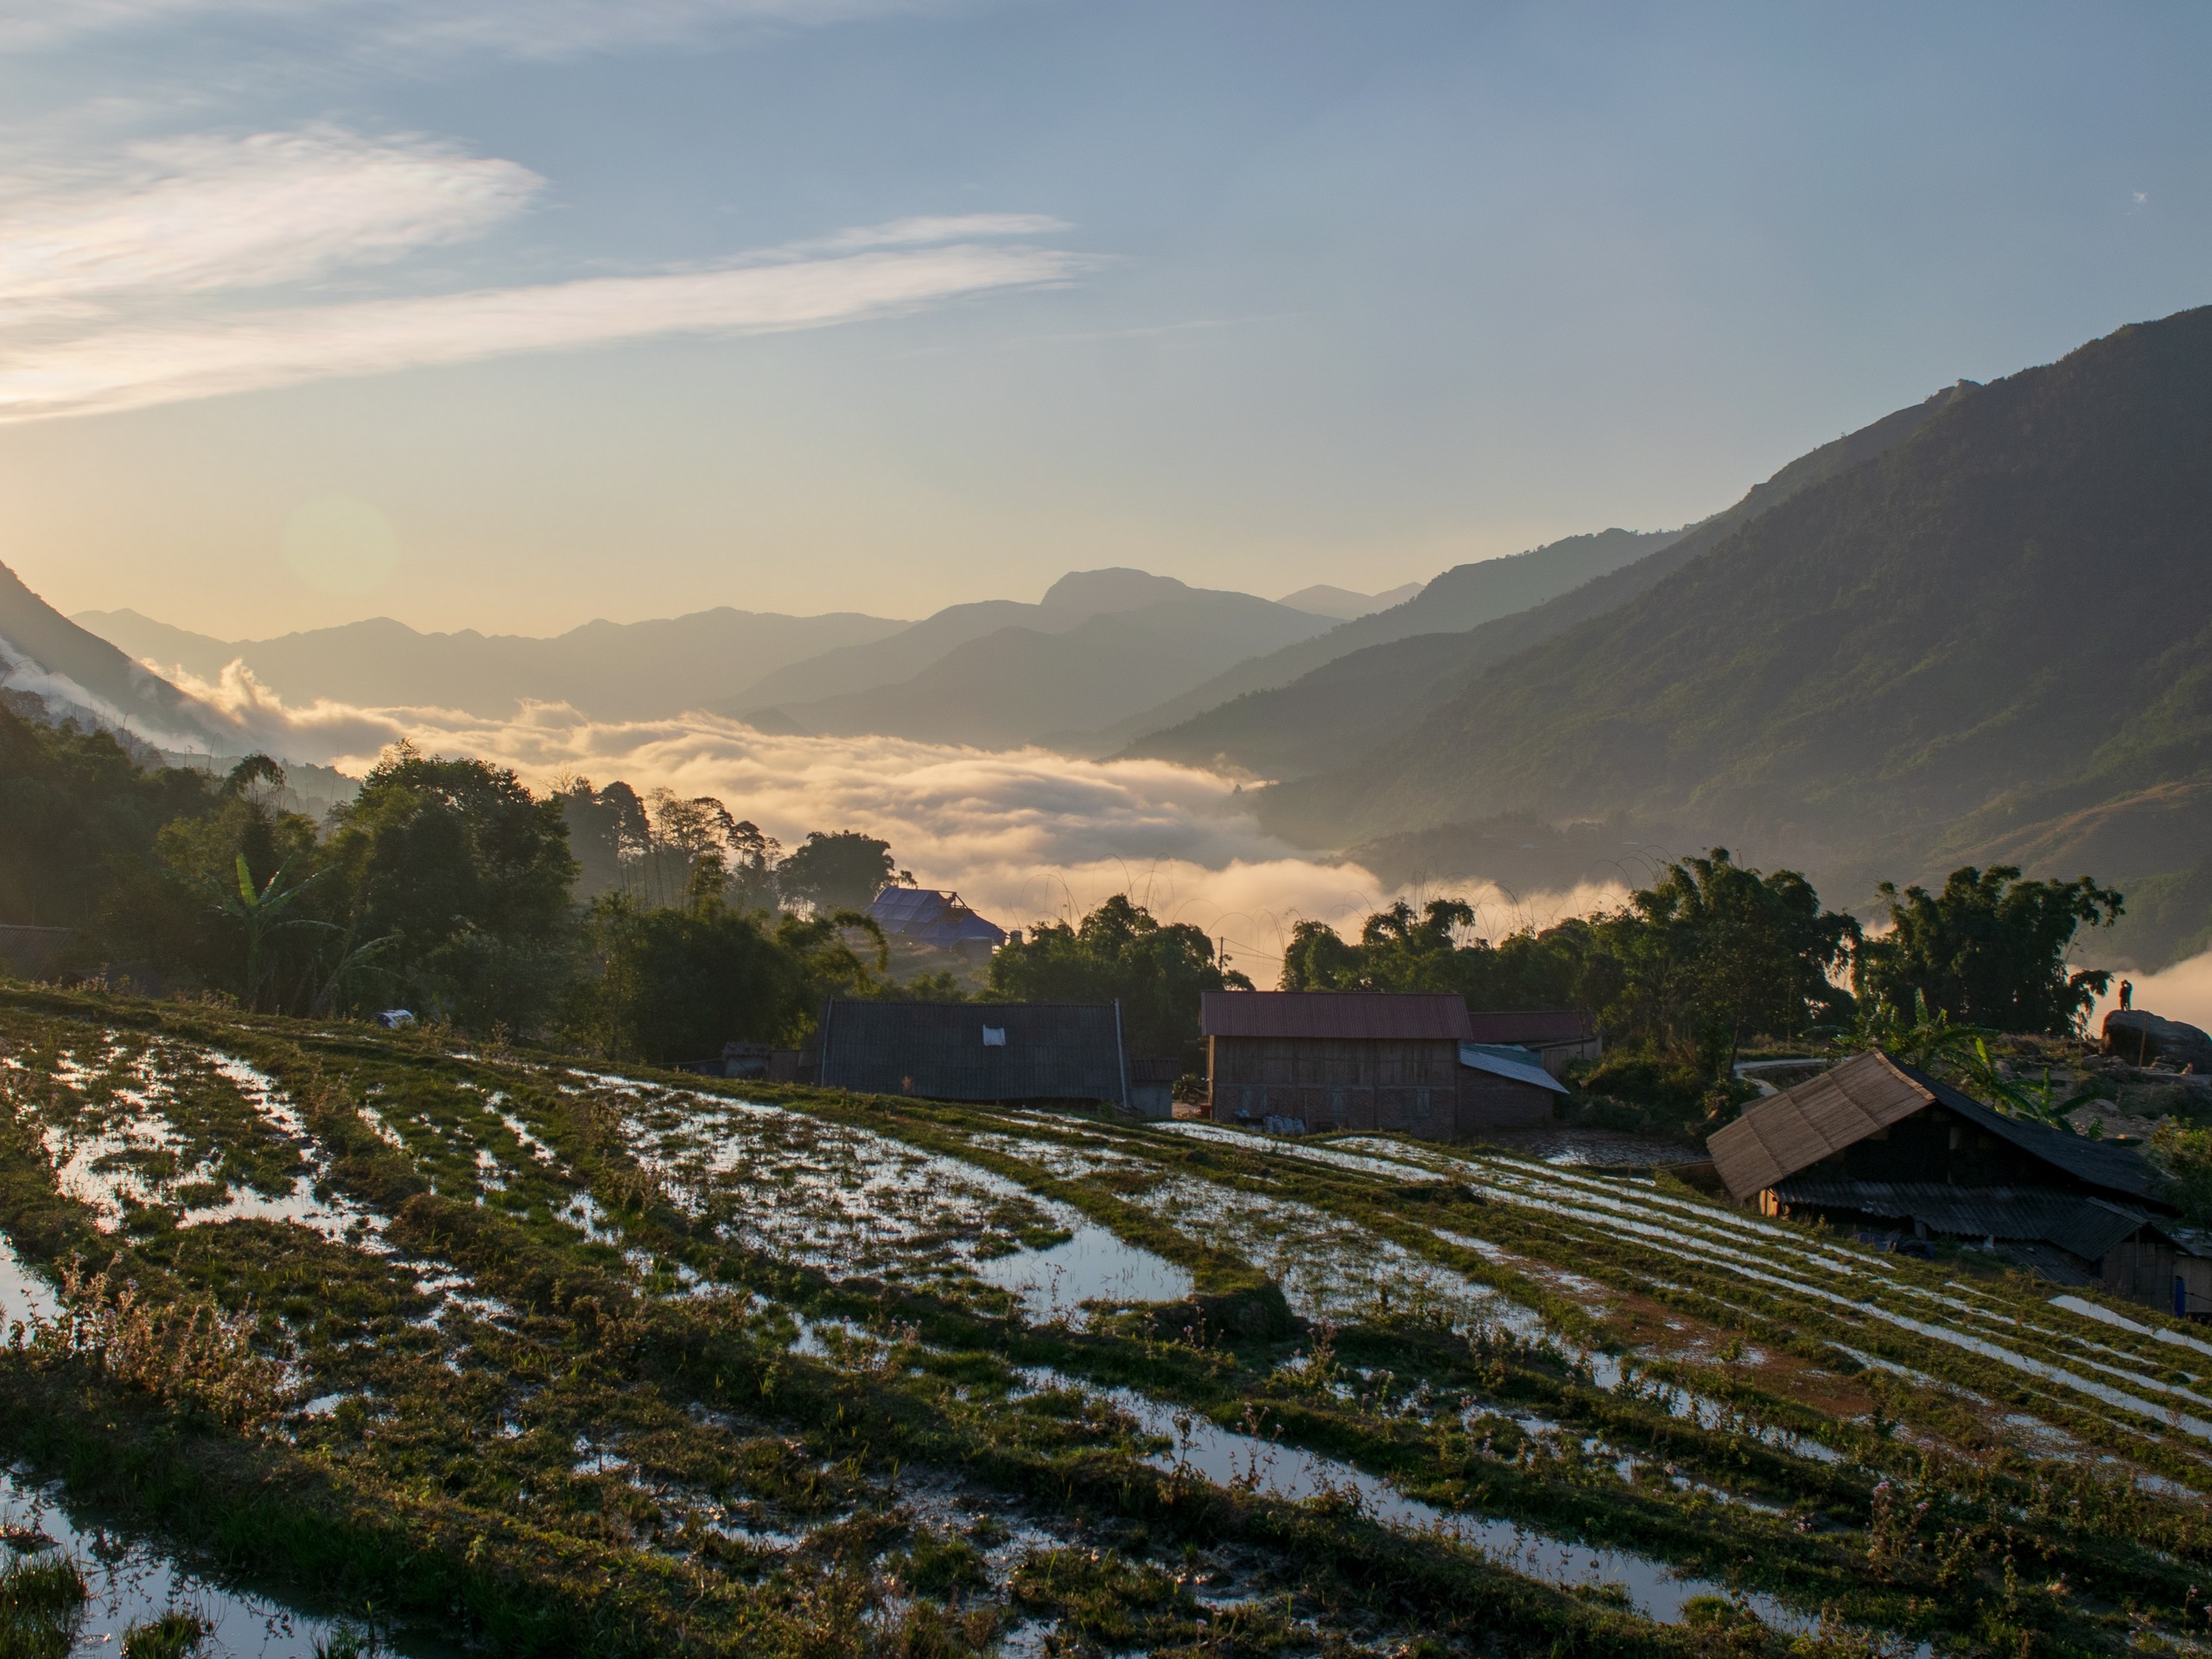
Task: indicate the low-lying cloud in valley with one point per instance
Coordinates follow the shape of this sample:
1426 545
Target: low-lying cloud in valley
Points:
1022 833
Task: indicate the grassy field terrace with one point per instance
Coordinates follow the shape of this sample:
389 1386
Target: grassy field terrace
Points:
397 1344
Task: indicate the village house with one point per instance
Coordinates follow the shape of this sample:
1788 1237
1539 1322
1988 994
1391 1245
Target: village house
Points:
931 917
1033 1053
1309 1061
1880 1146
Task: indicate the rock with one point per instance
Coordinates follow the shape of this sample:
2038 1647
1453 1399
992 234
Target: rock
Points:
2141 1038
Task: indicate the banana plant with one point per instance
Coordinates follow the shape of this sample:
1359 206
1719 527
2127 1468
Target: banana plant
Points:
2041 1101
1960 1056
263 911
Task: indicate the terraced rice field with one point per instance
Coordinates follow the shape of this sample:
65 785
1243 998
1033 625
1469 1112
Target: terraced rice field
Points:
499 1351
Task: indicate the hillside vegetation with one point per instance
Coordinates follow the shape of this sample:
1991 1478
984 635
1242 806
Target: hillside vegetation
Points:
1411 661
1994 637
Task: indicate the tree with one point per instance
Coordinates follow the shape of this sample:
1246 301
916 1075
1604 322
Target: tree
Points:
1120 953
608 834
843 871
2184 1154
1716 951
1989 950
676 983
1435 950
468 875
753 880
79 821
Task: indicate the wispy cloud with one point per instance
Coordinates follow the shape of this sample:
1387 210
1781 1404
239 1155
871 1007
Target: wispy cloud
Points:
530 29
120 284
195 214
923 230
133 367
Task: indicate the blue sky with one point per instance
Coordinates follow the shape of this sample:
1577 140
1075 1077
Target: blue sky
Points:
592 310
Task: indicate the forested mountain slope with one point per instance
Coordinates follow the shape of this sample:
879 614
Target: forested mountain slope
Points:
1339 712
1995 635
77 674
1465 596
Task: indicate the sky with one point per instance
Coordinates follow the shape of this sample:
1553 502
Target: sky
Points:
485 313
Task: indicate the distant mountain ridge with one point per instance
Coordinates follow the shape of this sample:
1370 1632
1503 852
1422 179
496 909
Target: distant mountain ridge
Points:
1068 603
1462 597
609 670
1322 599
1059 675
1991 637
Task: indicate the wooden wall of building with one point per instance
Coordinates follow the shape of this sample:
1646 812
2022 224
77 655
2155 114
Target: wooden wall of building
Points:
1407 1086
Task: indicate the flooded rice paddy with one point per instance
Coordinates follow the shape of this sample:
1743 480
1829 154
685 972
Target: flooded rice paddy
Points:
543 1357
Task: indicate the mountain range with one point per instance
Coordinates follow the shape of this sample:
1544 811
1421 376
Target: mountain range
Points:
1979 629
611 671
1084 659
1985 637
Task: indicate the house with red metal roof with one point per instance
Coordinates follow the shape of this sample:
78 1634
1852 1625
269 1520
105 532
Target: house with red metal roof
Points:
1405 1062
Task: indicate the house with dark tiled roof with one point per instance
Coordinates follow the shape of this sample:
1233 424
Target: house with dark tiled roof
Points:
1874 1143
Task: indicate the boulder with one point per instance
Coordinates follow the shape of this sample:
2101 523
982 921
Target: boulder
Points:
2143 1039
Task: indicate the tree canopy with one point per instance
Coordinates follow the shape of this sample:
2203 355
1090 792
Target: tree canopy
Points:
842 871
1989 950
1119 952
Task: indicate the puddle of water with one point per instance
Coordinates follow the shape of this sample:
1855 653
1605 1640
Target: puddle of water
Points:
1096 1265
1243 1461
25 1297
828 1195
2090 1310
1389 1168
1330 1268
129 1583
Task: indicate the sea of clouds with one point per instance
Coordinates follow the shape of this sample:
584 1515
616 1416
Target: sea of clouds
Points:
1022 835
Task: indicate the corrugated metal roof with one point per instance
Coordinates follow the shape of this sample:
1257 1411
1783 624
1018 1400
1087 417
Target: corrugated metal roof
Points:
931 916
907 905
1532 1027
937 1051
2085 1227
1376 1015
1800 1127
1504 1060
2100 1163
2048 1261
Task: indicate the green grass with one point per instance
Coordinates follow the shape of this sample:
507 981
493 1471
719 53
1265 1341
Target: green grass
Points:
40 1598
172 1635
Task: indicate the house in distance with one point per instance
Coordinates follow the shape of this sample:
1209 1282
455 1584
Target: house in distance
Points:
1875 1144
1300 1061
929 915
1001 1053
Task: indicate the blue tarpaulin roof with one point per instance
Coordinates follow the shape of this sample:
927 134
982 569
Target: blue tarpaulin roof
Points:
1506 1061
